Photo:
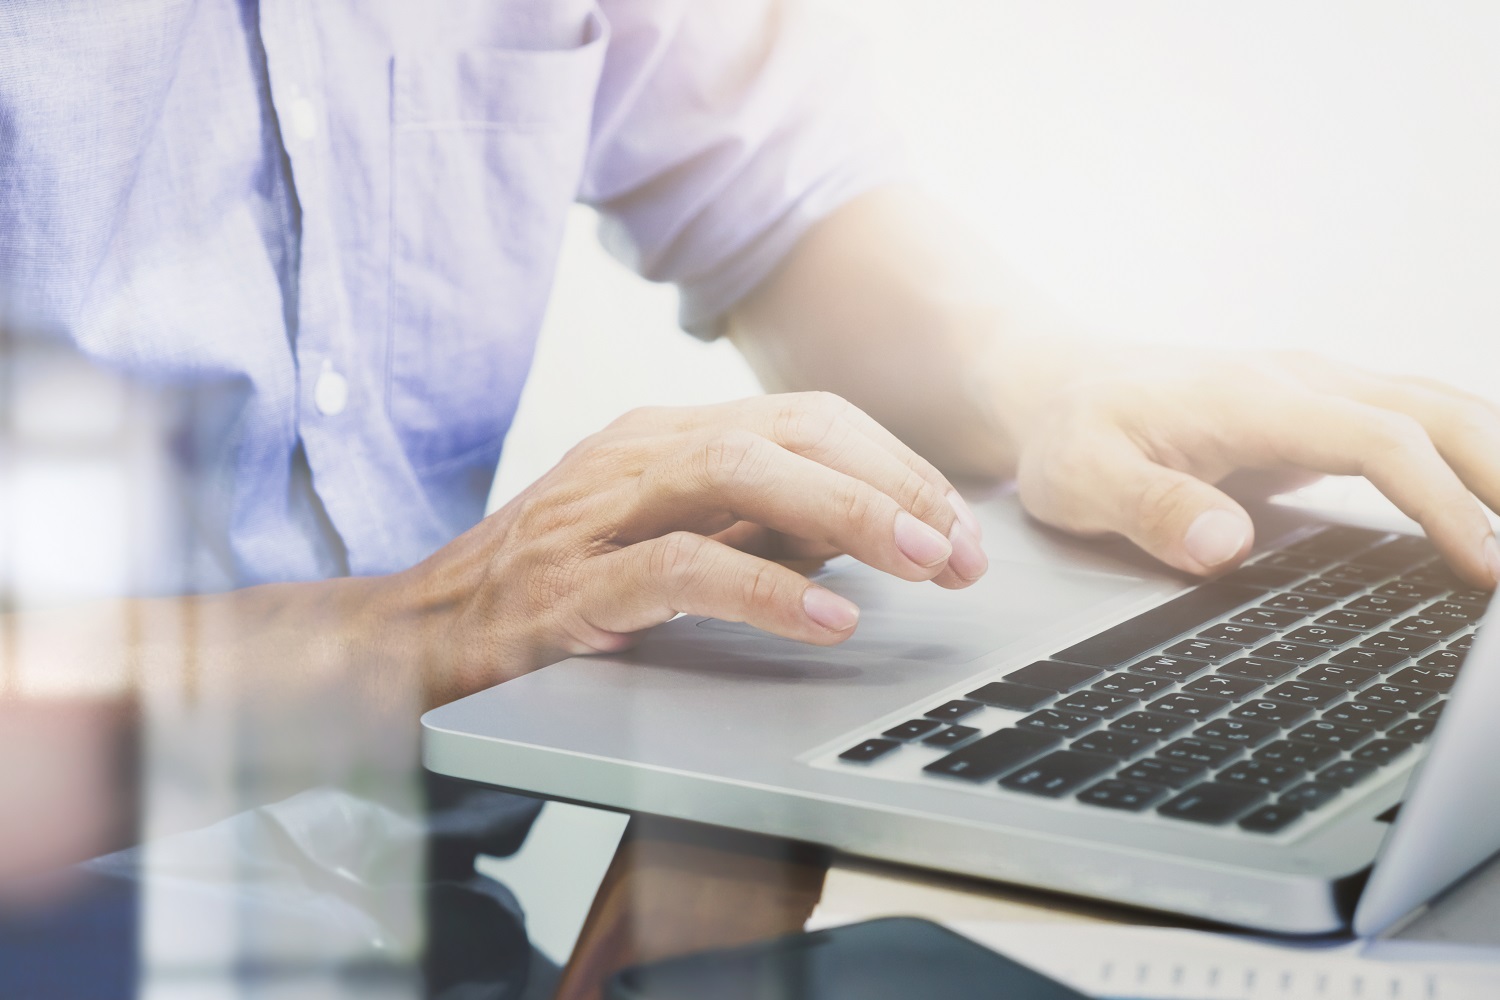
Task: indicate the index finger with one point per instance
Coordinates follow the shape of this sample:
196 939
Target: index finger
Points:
1334 434
815 425
1465 428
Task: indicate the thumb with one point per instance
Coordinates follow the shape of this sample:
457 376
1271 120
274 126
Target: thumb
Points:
1179 518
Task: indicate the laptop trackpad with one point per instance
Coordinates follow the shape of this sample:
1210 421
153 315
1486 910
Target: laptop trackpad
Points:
920 621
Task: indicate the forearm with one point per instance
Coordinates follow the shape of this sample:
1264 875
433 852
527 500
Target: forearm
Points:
894 305
271 643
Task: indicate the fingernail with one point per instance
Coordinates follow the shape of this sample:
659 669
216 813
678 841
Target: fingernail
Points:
829 609
919 542
968 559
965 514
1216 537
1492 557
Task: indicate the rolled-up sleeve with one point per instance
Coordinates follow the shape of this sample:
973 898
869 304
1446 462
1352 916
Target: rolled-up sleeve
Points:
723 129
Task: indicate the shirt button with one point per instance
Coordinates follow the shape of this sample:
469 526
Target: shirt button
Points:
303 119
330 393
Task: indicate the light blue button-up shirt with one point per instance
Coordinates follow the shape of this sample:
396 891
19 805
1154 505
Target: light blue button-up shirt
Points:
328 228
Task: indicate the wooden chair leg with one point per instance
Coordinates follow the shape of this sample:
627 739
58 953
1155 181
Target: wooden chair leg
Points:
678 887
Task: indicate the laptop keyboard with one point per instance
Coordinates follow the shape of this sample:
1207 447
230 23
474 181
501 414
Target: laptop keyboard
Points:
1256 699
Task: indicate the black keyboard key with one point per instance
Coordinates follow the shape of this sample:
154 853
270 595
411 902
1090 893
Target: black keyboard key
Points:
1365 576
1408 591
953 710
1413 730
1308 756
1202 649
1444 659
1338 735
1239 732
1051 720
1172 773
1304 562
1171 667
1291 652
1267 617
1257 669
1435 574
1397 642
1241 635
1465 613
1381 752
1322 635
1337 541
1132 685
1310 795
1324 587
1433 711
1362 621
1304 693
1058 773
1368 659
1264 577
1395 696
990 755
1053 675
1115 744
1153 724
1304 603
1472 595
1378 604
1358 713
1271 819
1003 694
1463 643
1262 774
1198 752
1130 639
913 730
951 737
1336 675
1275 713
1433 628
1401 552
1096 703
1115 793
1222 686
1346 773
1426 678
1211 803
869 750
1194 706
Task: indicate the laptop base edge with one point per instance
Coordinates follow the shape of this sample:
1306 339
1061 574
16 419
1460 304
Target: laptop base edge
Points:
1267 902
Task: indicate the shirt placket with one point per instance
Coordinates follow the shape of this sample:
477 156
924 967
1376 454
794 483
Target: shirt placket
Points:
334 406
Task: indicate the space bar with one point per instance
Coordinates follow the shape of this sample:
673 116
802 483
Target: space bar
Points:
1146 631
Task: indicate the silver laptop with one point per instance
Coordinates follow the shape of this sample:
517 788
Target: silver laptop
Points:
1080 721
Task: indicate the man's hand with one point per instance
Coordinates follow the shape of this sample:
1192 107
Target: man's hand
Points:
683 510
892 303
1133 443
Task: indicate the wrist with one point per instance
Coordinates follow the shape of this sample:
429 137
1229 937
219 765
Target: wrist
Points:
383 635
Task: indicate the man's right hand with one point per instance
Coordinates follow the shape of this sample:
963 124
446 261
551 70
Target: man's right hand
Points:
672 511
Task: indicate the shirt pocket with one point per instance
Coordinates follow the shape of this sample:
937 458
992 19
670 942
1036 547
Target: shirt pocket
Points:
488 147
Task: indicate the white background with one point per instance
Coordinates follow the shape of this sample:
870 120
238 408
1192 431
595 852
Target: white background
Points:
1272 173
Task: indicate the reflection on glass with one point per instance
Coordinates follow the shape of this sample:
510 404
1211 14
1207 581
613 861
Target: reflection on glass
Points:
200 793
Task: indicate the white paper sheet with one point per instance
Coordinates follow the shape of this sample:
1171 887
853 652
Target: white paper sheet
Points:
1155 963
1164 964
1142 962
